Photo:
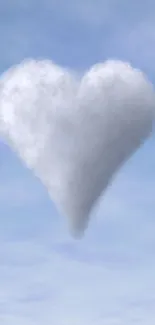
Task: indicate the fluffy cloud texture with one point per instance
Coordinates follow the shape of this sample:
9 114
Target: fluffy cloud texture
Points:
75 133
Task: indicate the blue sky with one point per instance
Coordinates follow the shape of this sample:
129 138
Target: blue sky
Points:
46 277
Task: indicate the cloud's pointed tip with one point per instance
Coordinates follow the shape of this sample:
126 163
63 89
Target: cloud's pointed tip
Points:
76 234
77 227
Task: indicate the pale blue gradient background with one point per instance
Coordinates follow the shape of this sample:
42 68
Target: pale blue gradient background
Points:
107 278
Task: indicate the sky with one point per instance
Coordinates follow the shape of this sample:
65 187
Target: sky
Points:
47 277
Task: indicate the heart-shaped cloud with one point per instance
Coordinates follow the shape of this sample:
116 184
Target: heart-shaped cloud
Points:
73 133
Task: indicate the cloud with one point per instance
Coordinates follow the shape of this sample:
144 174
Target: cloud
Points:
75 134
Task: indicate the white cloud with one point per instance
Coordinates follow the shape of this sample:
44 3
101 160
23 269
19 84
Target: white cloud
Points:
75 135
